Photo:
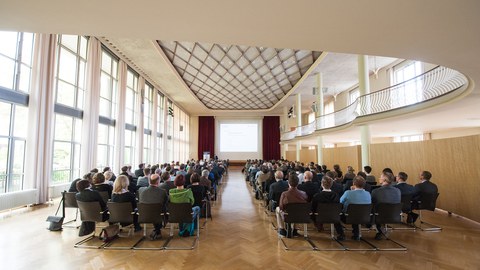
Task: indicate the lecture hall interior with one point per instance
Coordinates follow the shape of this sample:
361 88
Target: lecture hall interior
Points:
95 84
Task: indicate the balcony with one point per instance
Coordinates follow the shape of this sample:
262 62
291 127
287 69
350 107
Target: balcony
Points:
426 87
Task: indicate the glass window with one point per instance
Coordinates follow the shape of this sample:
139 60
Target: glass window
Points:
108 86
16 60
170 157
12 146
129 147
106 145
70 79
160 127
408 92
66 149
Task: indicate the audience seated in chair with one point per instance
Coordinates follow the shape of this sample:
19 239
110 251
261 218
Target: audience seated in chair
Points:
328 196
276 190
406 190
387 193
357 195
100 185
292 195
310 187
143 181
121 194
184 195
86 194
154 194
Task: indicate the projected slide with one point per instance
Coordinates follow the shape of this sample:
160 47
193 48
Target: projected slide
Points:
238 137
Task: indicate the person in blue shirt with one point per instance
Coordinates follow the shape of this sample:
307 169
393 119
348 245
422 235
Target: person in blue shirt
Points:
357 195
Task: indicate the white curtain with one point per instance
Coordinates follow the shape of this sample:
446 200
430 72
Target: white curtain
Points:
154 158
120 122
140 125
91 109
40 118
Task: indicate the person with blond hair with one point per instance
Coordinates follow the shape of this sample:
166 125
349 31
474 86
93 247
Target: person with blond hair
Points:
121 194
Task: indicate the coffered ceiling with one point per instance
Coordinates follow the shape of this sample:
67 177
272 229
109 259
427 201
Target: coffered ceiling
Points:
234 77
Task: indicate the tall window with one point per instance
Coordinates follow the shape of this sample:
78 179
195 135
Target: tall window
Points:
16 60
69 96
147 122
16 50
353 95
107 109
329 119
160 127
410 92
130 120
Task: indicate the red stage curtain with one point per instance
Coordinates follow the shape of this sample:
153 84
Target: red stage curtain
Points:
271 137
206 135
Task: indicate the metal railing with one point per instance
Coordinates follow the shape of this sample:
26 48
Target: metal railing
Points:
427 86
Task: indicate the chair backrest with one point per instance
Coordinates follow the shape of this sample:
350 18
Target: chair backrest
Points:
120 212
297 213
104 195
358 214
328 213
179 212
388 213
427 201
90 211
70 200
150 212
406 203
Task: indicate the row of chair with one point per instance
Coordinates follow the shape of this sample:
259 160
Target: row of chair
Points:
330 213
122 213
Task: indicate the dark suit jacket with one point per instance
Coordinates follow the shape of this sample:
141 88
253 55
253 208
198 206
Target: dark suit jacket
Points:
89 195
199 193
310 188
337 188
276 190
405 189
103 187
425 187
386 194
125 197
324 197
139 172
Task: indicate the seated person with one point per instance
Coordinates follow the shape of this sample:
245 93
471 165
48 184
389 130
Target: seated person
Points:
357 195
121 194
406 190
310 187
370 179
276 189
184 195
292 195
143 180
349 183
154 194
199 191
100 185
424 187
86 194
387 193
166 182
328 196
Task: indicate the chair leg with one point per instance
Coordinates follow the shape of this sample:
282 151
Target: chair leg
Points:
305 237
431 227
400 248
363 240
81 243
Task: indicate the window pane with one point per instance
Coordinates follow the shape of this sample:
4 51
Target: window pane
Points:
81 75
7 70
127 156
8 46
27 49
20 123
106 62
5 110
76 161
102 134
3 155
67 66
61 161
105 83
24 84
66 94
19 157
3 183
104 108
77 135
83 47
70 42
16 183
63 128
102 152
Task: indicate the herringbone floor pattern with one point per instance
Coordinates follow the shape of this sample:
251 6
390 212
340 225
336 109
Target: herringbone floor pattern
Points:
240 236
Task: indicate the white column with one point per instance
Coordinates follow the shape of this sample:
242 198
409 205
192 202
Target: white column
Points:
364 88
120 121
299 147
319 96
285 120
298 108
91 110
365 140
320 150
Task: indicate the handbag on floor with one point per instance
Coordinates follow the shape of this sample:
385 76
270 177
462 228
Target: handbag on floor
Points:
56 222
109 233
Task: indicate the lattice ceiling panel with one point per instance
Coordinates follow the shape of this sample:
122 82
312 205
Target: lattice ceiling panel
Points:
231 77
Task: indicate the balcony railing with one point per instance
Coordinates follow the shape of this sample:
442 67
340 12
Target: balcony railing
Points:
427 86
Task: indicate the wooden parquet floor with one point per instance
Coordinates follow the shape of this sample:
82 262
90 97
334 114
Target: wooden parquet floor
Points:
240 236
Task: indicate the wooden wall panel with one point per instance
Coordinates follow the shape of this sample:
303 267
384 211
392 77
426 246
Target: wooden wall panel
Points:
291 155
454 164
343 156
307 156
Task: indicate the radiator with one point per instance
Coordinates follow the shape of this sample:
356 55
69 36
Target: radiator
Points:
56 191
17 199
